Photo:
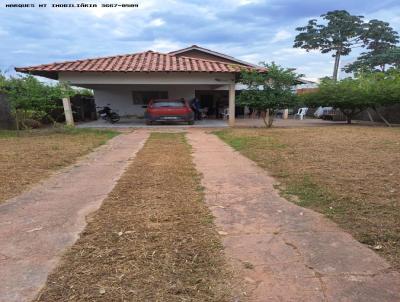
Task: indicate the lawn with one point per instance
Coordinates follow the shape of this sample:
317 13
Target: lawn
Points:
153 239
349 173
27 157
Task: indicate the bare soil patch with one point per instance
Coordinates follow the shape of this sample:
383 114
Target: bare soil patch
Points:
349 173
30 156
153 239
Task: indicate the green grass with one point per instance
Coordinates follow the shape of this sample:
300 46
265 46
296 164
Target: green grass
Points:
244 142
310 194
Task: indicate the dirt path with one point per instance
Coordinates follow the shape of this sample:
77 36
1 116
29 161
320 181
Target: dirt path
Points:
286 253
37 226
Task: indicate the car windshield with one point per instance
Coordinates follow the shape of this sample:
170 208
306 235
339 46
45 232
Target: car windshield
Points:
169 104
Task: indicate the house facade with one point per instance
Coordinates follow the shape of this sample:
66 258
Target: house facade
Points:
128 82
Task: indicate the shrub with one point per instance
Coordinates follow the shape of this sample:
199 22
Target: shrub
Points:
31 99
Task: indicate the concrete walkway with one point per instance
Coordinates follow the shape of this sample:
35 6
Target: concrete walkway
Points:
37 226
285 252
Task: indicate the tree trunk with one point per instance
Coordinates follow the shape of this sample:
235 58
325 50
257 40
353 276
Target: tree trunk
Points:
268 118
265 117
348 114
266 122
271 114
336 66
17 120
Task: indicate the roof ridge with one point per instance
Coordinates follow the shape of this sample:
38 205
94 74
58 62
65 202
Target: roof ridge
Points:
207 60
192 58
197 46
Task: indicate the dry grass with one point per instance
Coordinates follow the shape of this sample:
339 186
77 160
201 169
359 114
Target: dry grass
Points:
349 173
152 240
30 156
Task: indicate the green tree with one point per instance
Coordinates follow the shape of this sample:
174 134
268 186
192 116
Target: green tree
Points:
353 95
339 34
380 39
268 91
344 95
368 62
378 36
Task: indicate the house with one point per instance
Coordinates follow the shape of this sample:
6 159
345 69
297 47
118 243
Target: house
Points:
128 82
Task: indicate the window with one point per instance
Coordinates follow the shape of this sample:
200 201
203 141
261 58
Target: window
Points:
143 97
169 104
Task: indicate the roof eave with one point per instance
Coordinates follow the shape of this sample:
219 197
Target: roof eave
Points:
53 75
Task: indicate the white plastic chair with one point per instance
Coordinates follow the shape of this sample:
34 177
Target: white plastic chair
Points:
225 113
301 113
204 113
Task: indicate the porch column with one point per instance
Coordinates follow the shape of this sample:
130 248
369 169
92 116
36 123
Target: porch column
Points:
231 105
69 119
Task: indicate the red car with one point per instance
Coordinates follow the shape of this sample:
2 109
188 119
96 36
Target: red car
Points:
169 110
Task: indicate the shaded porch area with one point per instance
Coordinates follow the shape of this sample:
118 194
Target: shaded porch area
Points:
129 94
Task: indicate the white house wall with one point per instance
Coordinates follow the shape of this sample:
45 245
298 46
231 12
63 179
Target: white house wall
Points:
120 96
144 78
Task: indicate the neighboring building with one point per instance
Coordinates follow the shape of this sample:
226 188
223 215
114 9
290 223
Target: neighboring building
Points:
128 82
306 86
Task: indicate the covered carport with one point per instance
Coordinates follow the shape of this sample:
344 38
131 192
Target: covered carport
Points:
129 93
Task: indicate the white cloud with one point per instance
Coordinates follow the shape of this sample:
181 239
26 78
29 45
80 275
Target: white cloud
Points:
157 22
120 33
23 51
165 45
289 51
281 35
251 58
247 2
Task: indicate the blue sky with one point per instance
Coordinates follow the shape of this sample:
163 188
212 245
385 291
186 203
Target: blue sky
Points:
251 30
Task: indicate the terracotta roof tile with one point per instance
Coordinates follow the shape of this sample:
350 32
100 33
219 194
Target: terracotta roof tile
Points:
148 61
